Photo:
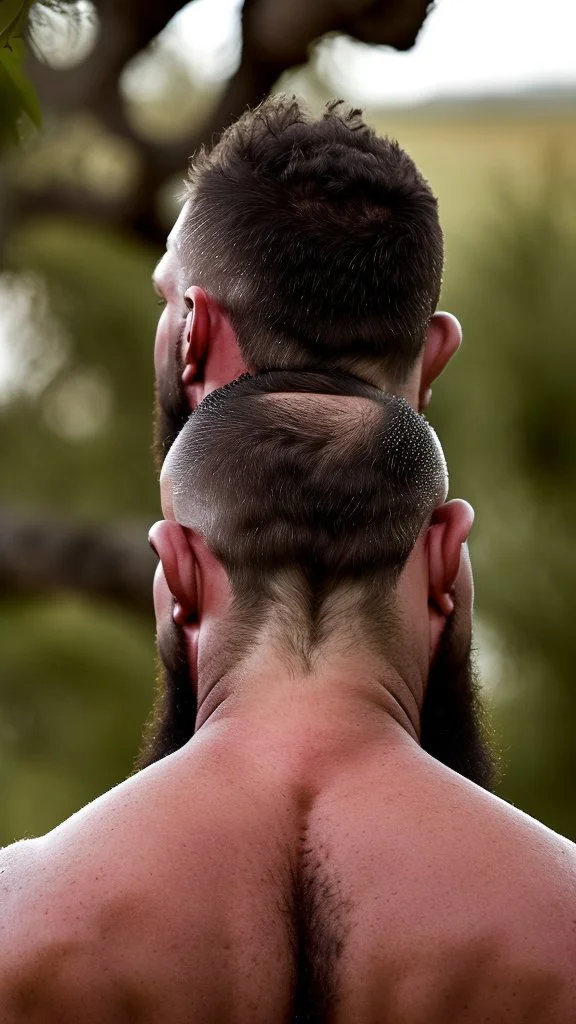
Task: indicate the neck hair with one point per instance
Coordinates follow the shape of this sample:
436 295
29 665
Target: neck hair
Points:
301 622
257 659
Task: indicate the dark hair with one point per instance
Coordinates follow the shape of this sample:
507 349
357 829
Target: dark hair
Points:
284 484
320 239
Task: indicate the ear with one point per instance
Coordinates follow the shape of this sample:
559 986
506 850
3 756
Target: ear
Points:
443 339
197 332
172 543
447 533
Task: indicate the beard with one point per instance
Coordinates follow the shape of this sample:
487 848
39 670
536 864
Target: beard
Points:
171 410
453 719
173 717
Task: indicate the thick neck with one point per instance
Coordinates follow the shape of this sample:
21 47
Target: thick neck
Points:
270 686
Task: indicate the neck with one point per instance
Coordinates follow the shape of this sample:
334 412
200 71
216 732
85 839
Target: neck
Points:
270 685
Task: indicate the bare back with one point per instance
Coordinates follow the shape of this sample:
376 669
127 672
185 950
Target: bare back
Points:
298 875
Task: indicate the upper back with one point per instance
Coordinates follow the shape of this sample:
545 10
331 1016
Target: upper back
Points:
457 906
279 883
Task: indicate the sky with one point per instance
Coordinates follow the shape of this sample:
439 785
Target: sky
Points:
466 47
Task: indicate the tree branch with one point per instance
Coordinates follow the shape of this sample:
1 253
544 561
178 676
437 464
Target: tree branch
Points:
109 563
125 28
276 34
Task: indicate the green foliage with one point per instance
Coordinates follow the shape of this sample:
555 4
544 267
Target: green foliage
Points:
76 680
99 291
13 20
18 99
505 414
76 687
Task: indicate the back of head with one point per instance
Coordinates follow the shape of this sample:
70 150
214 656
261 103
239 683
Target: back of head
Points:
312 490
319 238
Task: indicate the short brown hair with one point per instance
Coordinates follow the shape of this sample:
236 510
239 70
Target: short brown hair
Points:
285 485
320 239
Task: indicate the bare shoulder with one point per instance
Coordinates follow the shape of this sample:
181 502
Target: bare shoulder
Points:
17 872
513 882
16 869
124 904
71 900
502 830
496 845
453 888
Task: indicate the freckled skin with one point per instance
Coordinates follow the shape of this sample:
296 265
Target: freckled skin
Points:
168 899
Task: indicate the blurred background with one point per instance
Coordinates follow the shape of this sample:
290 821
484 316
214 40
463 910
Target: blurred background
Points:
485 101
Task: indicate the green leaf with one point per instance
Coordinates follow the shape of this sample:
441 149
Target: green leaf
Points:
10 109
16 82
13 19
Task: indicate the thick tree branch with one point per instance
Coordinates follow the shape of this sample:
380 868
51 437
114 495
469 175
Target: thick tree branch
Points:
110 563
282 32
276 35
125 28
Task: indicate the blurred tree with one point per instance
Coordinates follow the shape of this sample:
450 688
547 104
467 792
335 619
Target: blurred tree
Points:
506 414
83 216
17 96
276 35
76 676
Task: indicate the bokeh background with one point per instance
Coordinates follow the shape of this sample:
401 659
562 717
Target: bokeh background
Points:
485 101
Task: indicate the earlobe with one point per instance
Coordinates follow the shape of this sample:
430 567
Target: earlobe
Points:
443 339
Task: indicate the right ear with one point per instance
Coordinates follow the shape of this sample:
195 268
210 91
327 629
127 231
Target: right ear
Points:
443 339
447 534
173 545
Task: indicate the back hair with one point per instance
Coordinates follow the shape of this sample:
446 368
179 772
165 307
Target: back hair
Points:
312 490
319 238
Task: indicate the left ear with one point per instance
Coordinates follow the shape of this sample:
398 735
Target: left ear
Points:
195 341
172 543
443 338
447 533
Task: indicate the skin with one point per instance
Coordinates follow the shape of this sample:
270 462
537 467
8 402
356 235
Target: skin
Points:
171 898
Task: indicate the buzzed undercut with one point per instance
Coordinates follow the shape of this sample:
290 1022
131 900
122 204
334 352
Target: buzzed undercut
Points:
308 487
319 238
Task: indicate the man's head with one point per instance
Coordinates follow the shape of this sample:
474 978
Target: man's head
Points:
304 243
308 513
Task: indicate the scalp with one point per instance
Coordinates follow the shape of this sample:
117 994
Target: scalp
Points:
341 480
340 424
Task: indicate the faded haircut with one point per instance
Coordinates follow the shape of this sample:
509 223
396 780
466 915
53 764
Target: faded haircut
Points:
306 486
320 238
